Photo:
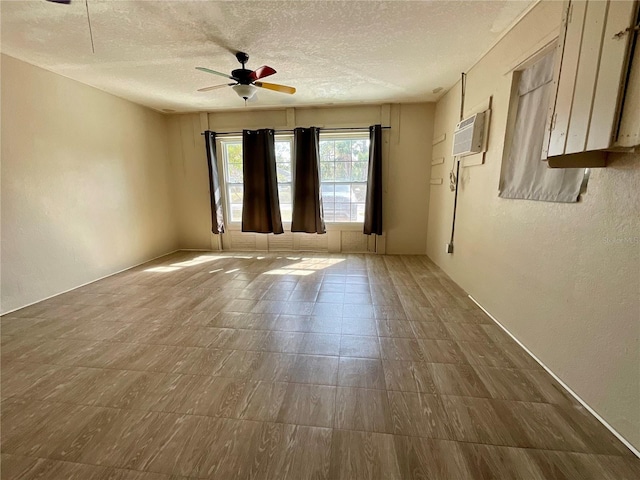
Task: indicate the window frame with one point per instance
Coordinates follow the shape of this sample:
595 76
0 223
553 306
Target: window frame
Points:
223 165
351 135
286 137
538 183
222 143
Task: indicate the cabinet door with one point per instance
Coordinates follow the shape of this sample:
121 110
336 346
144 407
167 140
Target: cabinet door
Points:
611 74
592 54
585 84
568 57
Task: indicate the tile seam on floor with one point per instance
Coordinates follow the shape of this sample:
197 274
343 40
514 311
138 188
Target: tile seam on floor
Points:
464 442
513 367
433 394
309 425
286 381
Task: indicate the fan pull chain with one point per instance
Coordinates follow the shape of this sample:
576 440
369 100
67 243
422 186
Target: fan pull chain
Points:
93 48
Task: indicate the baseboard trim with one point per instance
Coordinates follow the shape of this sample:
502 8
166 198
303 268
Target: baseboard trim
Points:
564 385
89 283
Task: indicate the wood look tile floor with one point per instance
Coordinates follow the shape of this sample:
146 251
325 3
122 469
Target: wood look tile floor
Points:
244 366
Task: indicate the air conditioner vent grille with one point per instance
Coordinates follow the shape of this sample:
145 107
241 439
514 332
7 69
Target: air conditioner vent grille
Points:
466 122
468 138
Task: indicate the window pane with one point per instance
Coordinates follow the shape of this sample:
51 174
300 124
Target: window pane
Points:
327 172
343 212
359 192
235 194
283 172
283 152
234 172
284 192
343 171
285 212
342 203
234 152
327 151
236 212
327 190
343 150
343 193
359 171
358 215
360 150
329 213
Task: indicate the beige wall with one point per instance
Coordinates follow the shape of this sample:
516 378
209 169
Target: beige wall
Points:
85 184
563 278
406 170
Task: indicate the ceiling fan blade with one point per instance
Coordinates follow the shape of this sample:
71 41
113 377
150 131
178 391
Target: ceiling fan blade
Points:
276 87
263 71
208 70
206 89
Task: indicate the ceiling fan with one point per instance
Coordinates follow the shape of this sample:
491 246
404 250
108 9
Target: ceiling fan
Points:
245 81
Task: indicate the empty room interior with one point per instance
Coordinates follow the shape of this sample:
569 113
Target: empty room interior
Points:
340 240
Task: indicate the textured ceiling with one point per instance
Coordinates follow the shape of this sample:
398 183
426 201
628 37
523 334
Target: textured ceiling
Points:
332 52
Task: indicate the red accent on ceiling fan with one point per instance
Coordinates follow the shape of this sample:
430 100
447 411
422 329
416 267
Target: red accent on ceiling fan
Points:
261 72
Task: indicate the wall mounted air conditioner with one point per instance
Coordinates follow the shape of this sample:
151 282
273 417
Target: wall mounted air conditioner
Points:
468 137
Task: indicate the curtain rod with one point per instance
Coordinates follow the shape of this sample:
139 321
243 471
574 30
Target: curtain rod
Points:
291 130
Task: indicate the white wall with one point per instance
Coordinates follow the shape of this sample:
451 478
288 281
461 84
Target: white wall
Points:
563 278
407 162
85 184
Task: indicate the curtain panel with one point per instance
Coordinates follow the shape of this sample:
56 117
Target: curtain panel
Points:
307 215
260 203
215 192
524 175
373 203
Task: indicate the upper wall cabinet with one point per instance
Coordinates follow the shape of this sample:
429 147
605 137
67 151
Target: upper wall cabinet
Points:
591 70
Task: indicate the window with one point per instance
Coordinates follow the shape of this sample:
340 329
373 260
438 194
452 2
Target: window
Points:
232 157
232 163
524 175
344 163
284 174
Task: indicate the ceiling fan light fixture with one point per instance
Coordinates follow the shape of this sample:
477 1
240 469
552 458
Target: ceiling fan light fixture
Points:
245 91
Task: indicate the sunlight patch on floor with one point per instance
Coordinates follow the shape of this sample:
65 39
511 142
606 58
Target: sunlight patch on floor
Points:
162 269
197 261
306 266
301 266
286 271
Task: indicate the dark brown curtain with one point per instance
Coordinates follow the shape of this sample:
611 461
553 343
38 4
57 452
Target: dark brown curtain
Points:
217 216
260 204
373 205
307 202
